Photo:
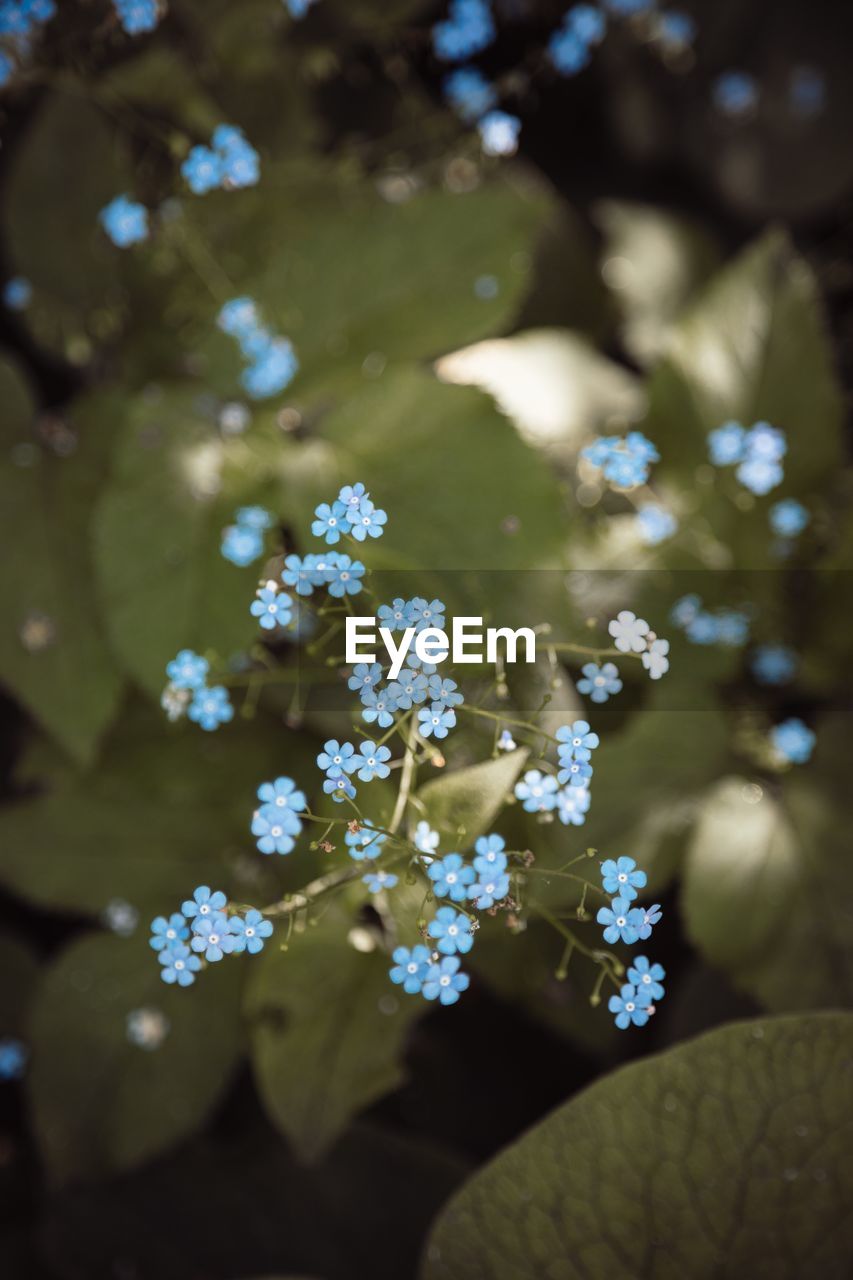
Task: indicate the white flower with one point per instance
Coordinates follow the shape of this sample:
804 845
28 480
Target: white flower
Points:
629 632
425 838
506 742
655 660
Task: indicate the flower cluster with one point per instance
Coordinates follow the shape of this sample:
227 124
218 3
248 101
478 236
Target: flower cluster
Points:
19 21
570 47
728 627
276 823
630 924
188 693
757 454
337 573
204 930
137 16
339 760
468 29
567 794
792 741
351 513
124 221
229 162
271 361
243 541
623 462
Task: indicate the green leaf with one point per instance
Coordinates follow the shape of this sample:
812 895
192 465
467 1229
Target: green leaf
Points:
726 1156
654 263
328 1030
53 654
463 803
102 1104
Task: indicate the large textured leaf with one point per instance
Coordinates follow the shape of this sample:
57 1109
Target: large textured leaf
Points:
328 1030
462 803
725 1157
53 653
102 1103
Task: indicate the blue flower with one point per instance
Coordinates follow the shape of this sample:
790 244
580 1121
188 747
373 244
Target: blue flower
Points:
17 293
137 16
13 1058
499 133
249 931
793 741
759 476
599 682
572 806
395 616
618 926
410 968
453 930
376 881
577 741
179 965
282 794
444 690
239 318
647 979
703 629
298 8
188 670
372 760
766 442
367 522
622 878
726 444
330 522
656 523
490 857
469 93
451 877
379 707
788 518
365 676
735 93
210 708
436 720
345 576
411 687
444 981
623 463
241 545
426 613
124 221
202 170
338 757
676 28
275 829
204 903
339 786
272 608
468 29
213 936
537 791
302 574
240 161
351 497
685 610
627 1008
491 887
774 664
164 932
272 370
254 518
575 772
732 628
644 919
364 843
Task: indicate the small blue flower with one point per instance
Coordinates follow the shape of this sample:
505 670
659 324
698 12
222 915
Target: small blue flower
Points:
453 930
451 877
789 518
759 475
330 522
339 786
275 828
257 518
644 919
618 926
188 670
240 161
395 616
793 741
282 794
726 444
735 93
338 757
302 574
469 93
124 221
445 690
599 682
298 8
410 968
371 760
379 708
572 806
272 608
468 29
137 16
490 857
676 28
204 903
210 708
376 881
17 293
491 887
685 610
368 522
365 676
345 577
577 741
351 497
656 523
273 369
499 132
249 931
202 170
241 545
239 318
444 981
436 720
774 664
537 791
179 965
647 978
703 629
627 1008
426 613
164 932
364 843
622 878
732 628
213 936
766 442
412 687
13 1058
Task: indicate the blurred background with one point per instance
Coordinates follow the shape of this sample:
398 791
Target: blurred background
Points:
661 237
